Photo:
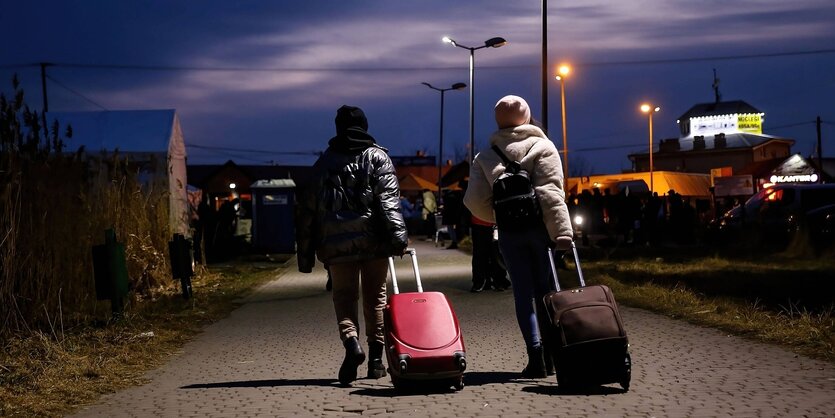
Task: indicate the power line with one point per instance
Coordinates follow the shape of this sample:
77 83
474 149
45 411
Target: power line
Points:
608 147
254 151
6 66
791 125
378 69
247 69
75 92
242 157
709 58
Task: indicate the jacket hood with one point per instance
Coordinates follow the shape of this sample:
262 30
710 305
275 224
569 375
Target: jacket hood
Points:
351 140
517 139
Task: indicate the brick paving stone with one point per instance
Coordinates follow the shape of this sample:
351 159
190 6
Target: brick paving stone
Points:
278 355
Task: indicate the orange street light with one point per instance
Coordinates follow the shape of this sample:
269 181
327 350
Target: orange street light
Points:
649 110
563 73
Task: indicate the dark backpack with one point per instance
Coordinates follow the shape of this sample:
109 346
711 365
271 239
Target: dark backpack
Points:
514 199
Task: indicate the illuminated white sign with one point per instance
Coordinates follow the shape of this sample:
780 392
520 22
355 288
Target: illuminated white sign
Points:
798 178
728 124
713 125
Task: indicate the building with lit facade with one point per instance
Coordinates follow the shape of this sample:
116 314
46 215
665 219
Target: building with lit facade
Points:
718 135
725 140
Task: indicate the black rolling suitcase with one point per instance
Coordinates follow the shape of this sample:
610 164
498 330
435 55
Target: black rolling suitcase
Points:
590 346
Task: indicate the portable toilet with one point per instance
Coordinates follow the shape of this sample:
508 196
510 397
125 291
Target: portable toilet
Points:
273 216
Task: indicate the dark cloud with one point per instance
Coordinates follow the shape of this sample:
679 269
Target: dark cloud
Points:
376 53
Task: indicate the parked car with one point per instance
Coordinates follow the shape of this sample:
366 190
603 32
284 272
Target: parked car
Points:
773 216
820 225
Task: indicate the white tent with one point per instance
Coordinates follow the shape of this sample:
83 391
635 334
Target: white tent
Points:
141 135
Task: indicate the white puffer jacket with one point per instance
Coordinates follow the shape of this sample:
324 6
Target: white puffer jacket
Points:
540 158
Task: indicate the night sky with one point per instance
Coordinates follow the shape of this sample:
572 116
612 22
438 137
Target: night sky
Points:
258 82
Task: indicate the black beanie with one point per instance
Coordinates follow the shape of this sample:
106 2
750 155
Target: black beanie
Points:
350 117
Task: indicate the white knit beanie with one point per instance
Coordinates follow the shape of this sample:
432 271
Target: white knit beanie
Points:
512 111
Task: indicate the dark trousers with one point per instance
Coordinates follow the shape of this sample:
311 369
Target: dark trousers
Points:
349 281
526 257
486 266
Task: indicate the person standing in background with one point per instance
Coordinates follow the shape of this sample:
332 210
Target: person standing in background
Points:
430 206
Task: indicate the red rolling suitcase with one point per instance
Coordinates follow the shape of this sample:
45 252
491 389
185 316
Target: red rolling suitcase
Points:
591 347
423 339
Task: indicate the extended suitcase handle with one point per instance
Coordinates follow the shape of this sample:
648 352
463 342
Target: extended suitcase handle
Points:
554 267
413 254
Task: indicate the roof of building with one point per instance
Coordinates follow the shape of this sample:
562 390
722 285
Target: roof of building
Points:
125 130
720 108
795 164
413 182
736 140
198 175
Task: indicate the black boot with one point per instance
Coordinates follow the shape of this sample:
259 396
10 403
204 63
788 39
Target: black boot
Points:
536 364
376 368
353 358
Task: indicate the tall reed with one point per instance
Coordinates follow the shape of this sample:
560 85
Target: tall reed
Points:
53 208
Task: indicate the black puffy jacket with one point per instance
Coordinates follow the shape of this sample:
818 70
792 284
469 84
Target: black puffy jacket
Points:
350 210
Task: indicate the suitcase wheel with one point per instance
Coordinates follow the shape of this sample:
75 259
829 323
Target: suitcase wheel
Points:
627 373
396 382
459 383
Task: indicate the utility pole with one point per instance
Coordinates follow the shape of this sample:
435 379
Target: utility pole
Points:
820 150
45 102
545 66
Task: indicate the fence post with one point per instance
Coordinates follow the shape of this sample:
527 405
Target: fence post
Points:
110 272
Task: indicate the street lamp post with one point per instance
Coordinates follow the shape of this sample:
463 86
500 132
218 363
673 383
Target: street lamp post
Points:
456 86
563 73
649 110
492 43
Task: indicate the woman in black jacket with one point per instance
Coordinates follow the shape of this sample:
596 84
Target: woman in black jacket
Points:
349 217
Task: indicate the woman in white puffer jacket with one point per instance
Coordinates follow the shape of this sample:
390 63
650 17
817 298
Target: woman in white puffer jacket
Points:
524 249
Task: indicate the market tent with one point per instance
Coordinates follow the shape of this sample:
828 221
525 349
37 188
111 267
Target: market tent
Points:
152 139
412 182
456 173
685 184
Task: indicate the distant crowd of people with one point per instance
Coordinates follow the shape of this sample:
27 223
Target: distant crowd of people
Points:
218 233
638 218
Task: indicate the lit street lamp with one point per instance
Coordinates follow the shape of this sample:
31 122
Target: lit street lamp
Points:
456 86
492 43
563 73
649 110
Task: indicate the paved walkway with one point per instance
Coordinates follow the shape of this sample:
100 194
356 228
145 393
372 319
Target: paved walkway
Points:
278 355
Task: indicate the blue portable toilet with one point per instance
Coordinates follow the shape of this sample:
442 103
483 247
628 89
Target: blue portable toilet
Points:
273 216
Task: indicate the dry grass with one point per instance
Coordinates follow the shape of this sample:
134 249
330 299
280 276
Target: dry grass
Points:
51 215
809 331
52 373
